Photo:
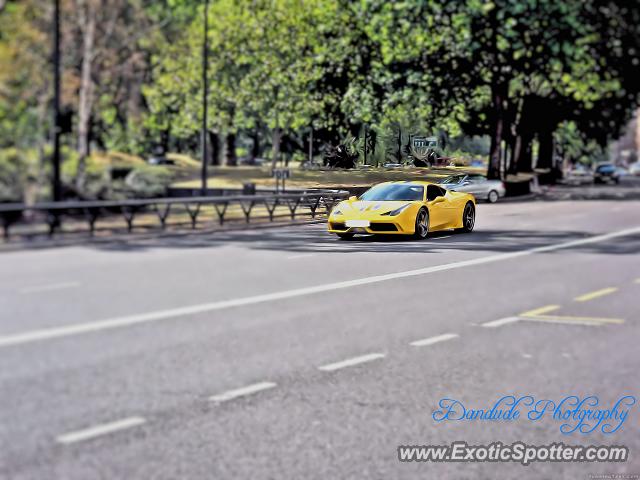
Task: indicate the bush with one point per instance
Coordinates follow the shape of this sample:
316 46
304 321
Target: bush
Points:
97 180
17 169
342 156
147 181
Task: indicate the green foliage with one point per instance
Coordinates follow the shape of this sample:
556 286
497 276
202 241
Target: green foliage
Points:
574 147
147 181
400 68
17 168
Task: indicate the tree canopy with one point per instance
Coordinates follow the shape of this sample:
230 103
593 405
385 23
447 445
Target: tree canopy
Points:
532 75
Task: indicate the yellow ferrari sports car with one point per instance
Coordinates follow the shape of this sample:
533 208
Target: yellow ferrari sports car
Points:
404 208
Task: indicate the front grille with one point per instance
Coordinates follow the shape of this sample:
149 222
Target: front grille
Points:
338 226
383 227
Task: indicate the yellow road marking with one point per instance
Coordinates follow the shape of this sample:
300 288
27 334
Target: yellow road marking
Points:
596 294
539 311
570 319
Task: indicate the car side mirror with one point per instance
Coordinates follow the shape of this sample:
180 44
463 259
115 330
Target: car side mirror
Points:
437 200
353 198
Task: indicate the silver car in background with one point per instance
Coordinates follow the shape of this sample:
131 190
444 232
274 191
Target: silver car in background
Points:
478 185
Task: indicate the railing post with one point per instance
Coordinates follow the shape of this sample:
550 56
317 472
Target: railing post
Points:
247 210
5 227
193 214
221 212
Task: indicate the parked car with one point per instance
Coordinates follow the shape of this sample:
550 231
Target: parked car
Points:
634 169
249 160
578 176
160 160
478 185
606 173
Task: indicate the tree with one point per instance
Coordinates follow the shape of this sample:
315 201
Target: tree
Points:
503 60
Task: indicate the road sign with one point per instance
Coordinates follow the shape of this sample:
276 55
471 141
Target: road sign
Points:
280 174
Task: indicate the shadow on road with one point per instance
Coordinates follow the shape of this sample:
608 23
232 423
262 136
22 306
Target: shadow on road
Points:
315 239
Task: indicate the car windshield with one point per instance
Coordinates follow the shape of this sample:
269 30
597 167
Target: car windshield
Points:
453 179
394 191
476 178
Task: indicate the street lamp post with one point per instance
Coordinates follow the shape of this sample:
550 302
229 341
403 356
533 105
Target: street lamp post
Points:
57 190
205 94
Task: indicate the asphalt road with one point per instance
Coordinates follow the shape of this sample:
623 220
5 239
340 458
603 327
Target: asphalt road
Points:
287 354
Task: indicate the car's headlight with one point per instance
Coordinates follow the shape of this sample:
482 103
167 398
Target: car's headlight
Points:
397 211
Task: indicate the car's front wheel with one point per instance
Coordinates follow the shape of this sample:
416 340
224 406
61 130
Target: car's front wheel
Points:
422 224
468 218
493 196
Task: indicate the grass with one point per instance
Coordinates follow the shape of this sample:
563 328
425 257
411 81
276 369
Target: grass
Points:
185 173
234 177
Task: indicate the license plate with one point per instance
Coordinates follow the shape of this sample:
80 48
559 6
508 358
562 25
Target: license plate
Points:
358 223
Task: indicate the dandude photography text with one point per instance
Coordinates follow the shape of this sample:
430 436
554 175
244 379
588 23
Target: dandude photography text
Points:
575 414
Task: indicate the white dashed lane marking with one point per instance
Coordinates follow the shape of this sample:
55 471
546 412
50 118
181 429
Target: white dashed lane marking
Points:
430 341
350 362
99 430
49 287
500 322
242 392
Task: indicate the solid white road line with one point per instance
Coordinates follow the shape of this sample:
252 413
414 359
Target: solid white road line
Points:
117 322
350 362
47 288
430 341
302 255
500 322
100 430
242 392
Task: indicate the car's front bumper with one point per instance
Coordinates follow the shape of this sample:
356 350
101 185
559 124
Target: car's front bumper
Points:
386 227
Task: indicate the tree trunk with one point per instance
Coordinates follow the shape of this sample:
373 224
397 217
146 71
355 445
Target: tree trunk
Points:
255 148
498 96
275 146
545 153
522 153
516 150
85 102
165 139
230 152
214 148
525 162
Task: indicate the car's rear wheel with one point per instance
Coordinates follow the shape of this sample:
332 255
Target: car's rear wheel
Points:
493 196
422 224
468 218
345 236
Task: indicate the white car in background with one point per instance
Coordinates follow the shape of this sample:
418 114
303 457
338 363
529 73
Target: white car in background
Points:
634 169
478 185
578 176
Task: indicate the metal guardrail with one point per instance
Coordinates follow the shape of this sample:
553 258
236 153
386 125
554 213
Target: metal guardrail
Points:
52 213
